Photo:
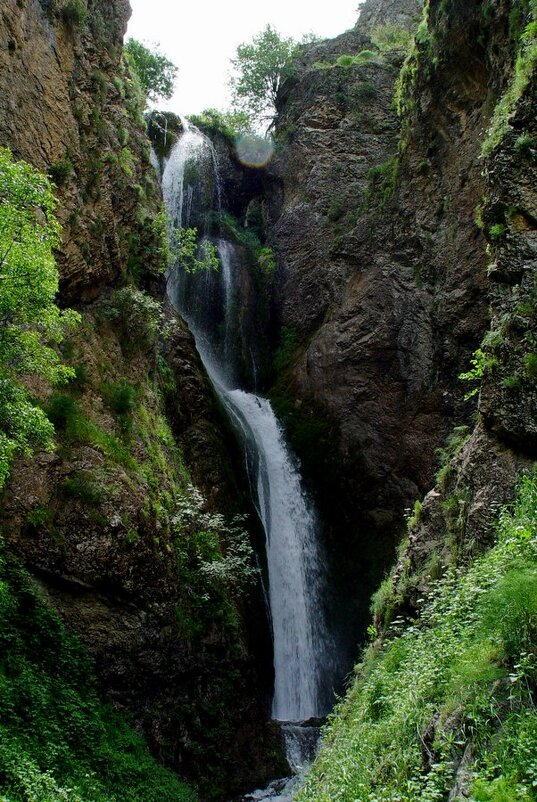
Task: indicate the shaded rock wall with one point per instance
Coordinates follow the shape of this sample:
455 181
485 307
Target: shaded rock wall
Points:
383 271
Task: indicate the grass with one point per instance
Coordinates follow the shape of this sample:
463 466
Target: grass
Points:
461 679
58 740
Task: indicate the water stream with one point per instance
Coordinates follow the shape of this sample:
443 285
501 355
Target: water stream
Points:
303 651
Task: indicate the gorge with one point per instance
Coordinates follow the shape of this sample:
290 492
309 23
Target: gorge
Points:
313 453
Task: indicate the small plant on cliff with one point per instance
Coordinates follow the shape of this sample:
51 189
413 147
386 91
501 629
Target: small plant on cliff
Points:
31 325
61 171
525 64
74 13
155 72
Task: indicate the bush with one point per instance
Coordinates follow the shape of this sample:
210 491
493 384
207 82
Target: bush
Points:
61 171
74 13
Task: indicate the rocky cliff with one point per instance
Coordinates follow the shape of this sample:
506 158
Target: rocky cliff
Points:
109 524
383 289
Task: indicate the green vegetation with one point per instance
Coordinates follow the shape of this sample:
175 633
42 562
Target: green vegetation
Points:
230 124
497 231
382 182
480 364
138 316
31 323
286 349
61 171
260 68
390 37
74 13
191 254
525 63
155 72
454 444
58 741
457 681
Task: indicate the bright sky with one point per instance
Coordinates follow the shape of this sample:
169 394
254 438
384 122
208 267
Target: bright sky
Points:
201 37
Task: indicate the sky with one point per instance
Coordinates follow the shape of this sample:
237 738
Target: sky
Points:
201 37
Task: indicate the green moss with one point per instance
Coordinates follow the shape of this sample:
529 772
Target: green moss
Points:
75 14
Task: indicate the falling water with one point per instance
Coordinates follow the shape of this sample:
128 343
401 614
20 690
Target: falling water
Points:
302 646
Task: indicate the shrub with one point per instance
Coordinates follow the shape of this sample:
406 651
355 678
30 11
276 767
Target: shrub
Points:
74 13
61 410
61 171
80 485
58 741
497 231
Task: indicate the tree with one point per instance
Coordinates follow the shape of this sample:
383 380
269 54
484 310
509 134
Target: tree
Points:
31 324
155 72
261 68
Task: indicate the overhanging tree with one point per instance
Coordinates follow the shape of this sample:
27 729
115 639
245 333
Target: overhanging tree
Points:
260 68
155 72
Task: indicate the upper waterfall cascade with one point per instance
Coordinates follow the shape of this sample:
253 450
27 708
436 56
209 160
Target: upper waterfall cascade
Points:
303 651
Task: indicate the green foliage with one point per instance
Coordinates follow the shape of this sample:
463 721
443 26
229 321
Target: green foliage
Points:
260 68
126 161
58 741
155 72
74 426
480 363
192 255
74 13
80 485
525 142
530 364
525 64
460 679
120 396
230 124
416 514
391 37
139 317
61 171
248 236
31 325
454 444
497 231
382 182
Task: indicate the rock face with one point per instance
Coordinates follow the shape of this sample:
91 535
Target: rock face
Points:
72 111
458 515
97 521
382 267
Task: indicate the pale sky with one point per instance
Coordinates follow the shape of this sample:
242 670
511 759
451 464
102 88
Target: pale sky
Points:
201 37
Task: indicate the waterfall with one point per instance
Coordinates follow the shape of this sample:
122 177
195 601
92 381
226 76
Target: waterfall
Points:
303 650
